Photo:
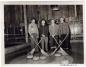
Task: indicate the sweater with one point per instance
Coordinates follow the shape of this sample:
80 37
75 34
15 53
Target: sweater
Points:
44 30
32 28
53 29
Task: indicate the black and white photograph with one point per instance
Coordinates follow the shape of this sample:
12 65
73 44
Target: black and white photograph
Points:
43 34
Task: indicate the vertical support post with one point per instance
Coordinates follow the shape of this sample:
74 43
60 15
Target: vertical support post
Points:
25 23
38 16
49 13
75 10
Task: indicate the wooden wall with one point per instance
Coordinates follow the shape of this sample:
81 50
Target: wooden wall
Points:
14 14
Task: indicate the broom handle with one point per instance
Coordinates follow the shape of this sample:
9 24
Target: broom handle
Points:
37 44
60 43
56 40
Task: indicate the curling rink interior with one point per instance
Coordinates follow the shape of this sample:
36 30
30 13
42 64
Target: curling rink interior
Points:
55 59
17 43
75 57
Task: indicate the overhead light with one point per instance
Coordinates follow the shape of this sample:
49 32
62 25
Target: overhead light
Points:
55 7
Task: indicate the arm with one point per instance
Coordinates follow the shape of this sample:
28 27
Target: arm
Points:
68 28
50 31
29 28
59 33
37 31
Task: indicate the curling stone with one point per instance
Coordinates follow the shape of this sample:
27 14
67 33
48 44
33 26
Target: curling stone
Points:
36 56
57 54
42 57
65 62
30 56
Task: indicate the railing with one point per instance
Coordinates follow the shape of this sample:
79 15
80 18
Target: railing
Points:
16 34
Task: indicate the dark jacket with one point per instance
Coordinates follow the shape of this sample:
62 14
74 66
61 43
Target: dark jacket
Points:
44 30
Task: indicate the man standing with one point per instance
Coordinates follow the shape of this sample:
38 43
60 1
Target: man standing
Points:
64 30
34 34
53 30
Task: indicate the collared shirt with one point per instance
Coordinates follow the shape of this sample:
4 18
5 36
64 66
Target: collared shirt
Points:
64 28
